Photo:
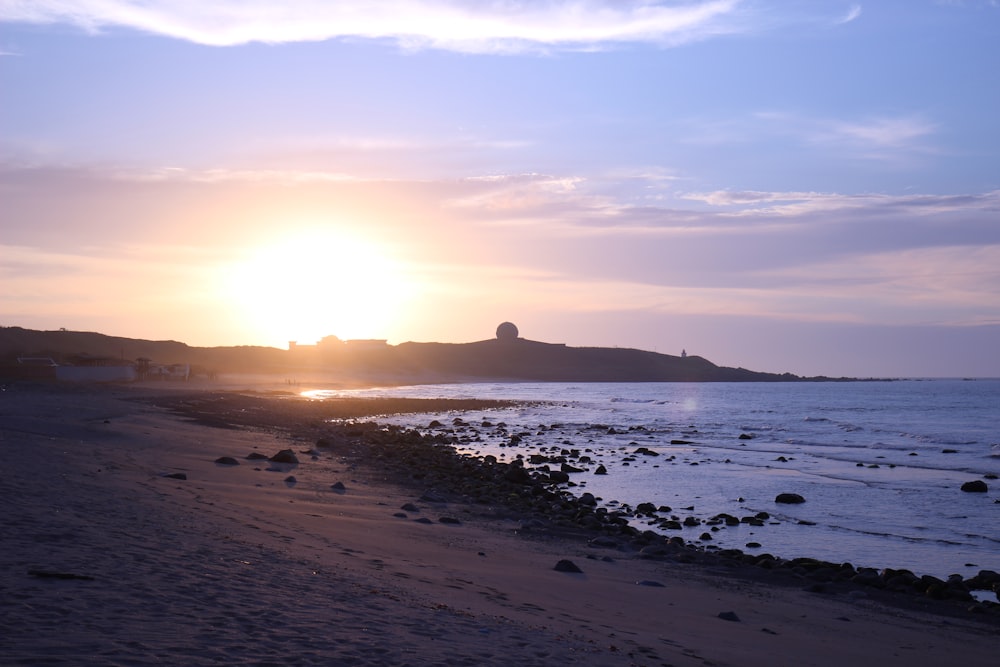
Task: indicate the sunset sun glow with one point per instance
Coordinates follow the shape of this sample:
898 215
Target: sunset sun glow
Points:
314 283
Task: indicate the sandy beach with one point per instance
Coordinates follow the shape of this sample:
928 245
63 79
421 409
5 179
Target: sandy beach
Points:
125 542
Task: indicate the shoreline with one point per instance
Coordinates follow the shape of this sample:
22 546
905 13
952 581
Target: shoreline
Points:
234 564
422 460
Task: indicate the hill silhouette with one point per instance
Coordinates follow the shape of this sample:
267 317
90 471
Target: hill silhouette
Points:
509 358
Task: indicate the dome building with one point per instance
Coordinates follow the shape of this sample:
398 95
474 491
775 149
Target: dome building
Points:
506 332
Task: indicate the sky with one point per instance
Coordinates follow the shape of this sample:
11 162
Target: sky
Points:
803 186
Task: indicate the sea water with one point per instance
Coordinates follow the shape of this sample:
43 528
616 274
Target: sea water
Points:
879 463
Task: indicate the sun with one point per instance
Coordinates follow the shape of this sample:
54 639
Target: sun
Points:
312 283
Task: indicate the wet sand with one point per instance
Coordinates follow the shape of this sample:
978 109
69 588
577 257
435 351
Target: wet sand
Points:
107 559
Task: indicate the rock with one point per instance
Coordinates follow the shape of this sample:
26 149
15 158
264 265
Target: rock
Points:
789 498
606 542
422 519
567 566
745 436
433 496
284 456
410 507
650 583
338 487
449 520
256 456
681 442
176 475
975 486
729 616
517 475
227 461
291 480
601 470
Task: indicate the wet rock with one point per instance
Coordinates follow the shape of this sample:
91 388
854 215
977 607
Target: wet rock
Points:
567 566
558 477
517 474
284 456
433 496
975 486
789 498
867 576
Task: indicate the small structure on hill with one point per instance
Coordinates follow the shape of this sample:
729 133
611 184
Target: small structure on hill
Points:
506 332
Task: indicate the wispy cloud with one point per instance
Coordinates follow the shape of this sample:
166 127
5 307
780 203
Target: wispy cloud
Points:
852 13
447 24
745 203
884 132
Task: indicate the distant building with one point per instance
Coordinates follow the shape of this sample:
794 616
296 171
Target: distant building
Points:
683 353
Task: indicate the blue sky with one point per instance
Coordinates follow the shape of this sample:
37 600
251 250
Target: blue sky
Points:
811 187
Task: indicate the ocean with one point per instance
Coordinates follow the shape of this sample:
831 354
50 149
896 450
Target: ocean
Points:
880 464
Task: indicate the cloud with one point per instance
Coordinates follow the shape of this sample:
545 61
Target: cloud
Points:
497 26
884 132
946 285
852 13
745 203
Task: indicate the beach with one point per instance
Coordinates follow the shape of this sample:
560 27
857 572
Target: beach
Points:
126 542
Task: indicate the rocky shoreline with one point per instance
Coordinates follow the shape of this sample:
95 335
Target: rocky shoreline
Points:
540 500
